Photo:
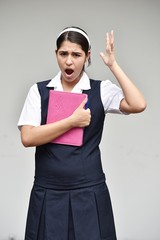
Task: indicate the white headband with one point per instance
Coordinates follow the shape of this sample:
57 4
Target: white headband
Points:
71 29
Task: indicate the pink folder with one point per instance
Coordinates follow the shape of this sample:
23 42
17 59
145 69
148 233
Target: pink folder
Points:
61 105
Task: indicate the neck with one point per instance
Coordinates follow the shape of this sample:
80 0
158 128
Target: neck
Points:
68 86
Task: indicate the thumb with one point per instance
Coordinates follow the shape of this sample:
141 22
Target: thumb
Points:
82 105
102 55
104 58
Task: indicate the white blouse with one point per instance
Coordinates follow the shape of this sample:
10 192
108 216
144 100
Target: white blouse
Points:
111 95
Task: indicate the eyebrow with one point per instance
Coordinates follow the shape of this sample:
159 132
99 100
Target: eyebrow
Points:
65 51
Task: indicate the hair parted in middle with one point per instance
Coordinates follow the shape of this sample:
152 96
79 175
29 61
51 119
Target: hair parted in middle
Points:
75 35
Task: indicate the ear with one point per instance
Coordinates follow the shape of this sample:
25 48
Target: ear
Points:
56 51
88 55
88 58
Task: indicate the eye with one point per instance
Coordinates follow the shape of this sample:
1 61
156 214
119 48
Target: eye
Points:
76 54
63 53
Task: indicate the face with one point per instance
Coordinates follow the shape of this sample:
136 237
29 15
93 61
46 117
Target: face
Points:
71 59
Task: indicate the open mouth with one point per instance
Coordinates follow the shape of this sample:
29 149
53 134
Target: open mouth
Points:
69 71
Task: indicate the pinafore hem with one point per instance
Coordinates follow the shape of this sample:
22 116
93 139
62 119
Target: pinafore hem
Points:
79 214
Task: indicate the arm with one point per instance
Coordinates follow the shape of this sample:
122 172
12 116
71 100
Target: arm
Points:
35 136
133 101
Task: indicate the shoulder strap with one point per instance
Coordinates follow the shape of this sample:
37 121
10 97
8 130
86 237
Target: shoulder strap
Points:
44 93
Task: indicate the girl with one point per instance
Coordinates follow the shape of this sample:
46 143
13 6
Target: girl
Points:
70 199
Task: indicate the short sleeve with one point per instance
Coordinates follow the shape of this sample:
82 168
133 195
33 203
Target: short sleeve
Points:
31 112
111 96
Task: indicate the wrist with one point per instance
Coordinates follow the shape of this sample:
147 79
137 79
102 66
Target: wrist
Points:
113 66
70 121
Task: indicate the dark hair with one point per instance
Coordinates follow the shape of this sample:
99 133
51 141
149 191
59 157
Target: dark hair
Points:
74 37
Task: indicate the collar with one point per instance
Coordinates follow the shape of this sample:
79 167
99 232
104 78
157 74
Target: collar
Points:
83 84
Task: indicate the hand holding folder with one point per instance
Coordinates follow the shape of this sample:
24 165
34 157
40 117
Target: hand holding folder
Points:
62 105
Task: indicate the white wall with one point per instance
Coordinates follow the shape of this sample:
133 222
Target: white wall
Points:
130 146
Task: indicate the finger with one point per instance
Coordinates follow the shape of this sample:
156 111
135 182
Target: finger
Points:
108 46
112 40
102 55
82 105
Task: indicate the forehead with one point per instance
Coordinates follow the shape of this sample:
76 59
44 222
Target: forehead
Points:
67 45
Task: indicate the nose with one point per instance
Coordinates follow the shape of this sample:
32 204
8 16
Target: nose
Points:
69 60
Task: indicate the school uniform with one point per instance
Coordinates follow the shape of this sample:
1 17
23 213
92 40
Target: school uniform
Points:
70 199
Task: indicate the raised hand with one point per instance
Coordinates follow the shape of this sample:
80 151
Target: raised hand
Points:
109 57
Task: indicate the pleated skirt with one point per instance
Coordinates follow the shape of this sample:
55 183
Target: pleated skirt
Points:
79 214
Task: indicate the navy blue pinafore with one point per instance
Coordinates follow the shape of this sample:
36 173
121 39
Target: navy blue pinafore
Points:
70 199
